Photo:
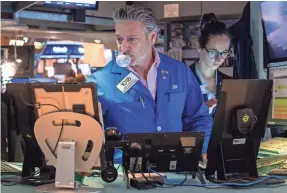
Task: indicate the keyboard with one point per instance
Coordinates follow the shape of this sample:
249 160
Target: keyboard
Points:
7 168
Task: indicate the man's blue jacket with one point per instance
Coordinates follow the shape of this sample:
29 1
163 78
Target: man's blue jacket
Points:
178 106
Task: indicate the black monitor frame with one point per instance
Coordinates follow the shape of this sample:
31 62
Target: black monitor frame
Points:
25 117
229 154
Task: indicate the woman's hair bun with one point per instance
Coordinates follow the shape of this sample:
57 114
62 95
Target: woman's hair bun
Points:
207 18
210 25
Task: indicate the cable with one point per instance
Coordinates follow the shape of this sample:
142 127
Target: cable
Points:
23 178
44 163
171 184
60 135
38 104
228 184
22 99
254 182
61 131
135 165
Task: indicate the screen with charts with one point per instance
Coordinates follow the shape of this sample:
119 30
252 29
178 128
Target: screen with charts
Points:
274 18
279 102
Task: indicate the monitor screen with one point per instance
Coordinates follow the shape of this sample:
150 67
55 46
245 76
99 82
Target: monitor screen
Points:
279 105
274 18
277 113
73 4
62 68
279 72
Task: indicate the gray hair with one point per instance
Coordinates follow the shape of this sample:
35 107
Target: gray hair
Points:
137 13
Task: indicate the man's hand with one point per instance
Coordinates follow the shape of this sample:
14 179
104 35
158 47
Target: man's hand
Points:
203 163
204 157
211 102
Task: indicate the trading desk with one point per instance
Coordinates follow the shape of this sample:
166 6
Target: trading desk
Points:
119 187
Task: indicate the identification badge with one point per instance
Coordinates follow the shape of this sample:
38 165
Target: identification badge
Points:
127 82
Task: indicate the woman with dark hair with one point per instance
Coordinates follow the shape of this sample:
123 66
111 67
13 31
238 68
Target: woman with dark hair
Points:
213 46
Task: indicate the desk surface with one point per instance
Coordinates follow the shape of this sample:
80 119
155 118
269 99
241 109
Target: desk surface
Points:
119 187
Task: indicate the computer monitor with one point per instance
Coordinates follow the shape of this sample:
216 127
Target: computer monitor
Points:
277 115
274 27
62 68
233 148
69 130
279 102
72 4
163 152
277 72
79 98
21 94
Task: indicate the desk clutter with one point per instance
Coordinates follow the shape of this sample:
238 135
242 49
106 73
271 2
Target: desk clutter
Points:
9 168
273 153
277 146
76 143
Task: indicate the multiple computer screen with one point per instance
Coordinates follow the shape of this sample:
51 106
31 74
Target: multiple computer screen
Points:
274 20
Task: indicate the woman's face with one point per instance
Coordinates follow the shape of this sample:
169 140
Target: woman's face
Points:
213 54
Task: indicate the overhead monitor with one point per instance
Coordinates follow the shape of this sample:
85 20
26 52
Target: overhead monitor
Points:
274 19
72 4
